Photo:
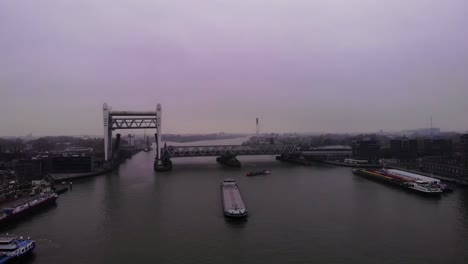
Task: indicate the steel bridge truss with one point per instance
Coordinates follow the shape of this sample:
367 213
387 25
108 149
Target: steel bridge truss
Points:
133 123
327 152
227 150
130 120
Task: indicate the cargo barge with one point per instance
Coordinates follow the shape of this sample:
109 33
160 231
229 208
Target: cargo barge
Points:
26 207
374 175
233 205
401 180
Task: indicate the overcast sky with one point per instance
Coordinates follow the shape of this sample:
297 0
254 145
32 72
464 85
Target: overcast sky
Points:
300 66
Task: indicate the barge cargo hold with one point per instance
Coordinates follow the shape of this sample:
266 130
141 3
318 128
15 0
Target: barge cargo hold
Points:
421 187
373 175
233 205
409 176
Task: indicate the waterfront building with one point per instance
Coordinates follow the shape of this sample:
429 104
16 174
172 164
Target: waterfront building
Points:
437 147
29 170
404 149
464 149
453 166
366 150
445 166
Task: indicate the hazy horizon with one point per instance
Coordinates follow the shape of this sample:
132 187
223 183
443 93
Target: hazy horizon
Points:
324 66
124 133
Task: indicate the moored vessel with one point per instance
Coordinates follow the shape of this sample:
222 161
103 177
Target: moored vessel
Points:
375 175
391 177
233 205
16 211
423 187
410 176
419 182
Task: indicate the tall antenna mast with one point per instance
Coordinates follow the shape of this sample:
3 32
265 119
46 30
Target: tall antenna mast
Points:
431 129
257 127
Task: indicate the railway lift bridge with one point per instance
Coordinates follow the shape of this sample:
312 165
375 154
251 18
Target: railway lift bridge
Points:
226 154
114 120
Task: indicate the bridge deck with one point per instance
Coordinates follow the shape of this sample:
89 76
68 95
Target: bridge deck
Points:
224 150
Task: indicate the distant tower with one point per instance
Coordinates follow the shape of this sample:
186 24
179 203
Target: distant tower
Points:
432 137
257 127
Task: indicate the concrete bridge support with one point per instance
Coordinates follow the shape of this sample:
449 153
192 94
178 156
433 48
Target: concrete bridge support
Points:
229 160
161 162
289 157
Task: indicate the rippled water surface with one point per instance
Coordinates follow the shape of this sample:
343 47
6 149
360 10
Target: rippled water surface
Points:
298 214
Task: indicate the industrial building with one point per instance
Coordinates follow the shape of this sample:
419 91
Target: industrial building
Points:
366 150
404 149
453 166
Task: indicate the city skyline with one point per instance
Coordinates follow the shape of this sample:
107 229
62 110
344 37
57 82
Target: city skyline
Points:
417 132
300 66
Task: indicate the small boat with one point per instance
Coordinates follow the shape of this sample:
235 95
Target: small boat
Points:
445 188
255 173
424 187
148 145
233 206
13 247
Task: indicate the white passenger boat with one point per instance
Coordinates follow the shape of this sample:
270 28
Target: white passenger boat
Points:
13 247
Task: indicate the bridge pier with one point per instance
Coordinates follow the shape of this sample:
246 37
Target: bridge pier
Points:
284 157
229 160
164 164
293 158
161 161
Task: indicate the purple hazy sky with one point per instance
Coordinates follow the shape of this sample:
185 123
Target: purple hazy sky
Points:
300 66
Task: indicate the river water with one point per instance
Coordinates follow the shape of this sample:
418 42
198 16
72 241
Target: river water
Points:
298 214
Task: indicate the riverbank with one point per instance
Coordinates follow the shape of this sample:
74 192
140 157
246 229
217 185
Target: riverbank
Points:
302 161
59 177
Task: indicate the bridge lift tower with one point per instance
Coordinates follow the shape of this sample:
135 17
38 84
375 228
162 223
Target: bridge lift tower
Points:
133 120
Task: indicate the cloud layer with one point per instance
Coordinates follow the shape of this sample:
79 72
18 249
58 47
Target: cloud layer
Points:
305 66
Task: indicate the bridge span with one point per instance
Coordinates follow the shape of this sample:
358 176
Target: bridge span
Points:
226 154
227 150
